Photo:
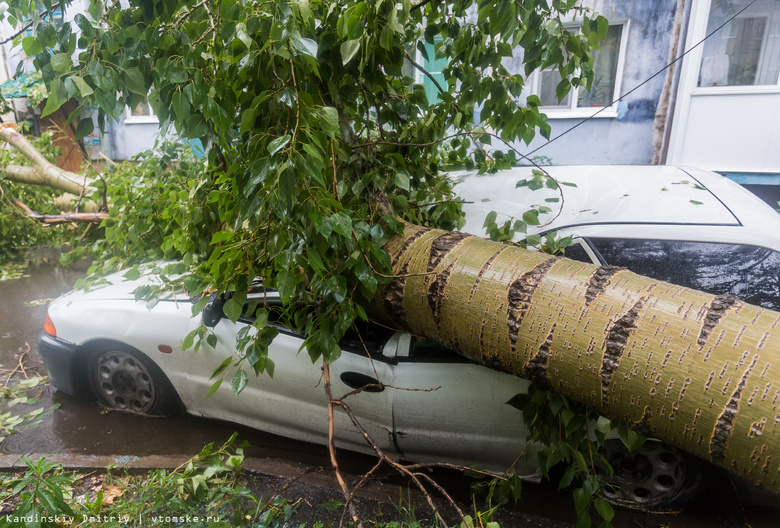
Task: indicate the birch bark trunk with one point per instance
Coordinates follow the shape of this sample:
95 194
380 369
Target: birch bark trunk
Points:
692 369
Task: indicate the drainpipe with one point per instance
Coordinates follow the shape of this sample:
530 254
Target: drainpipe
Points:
664 114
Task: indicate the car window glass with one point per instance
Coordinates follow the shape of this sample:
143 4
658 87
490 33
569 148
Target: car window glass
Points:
577 252
428 350
365 337
751 273
361 338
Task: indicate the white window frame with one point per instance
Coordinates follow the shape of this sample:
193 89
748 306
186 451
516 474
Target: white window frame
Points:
574 112
131 119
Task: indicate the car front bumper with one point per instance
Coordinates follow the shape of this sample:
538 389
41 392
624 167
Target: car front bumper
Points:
59 357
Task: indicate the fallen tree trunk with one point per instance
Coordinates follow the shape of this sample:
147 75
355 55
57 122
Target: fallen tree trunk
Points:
692 369
42 171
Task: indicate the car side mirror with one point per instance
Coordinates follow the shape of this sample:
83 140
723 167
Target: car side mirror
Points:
212 312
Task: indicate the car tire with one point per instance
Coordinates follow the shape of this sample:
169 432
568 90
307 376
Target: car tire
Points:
124 379
653 477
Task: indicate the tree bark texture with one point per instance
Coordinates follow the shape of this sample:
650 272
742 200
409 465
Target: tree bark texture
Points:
42 171
692 369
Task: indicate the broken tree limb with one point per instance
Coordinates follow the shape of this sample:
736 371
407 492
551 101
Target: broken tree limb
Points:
698 371
63 218
42 171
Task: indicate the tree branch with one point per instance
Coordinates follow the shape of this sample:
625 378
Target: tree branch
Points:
61 218
42 171
29 23
424 71
332 447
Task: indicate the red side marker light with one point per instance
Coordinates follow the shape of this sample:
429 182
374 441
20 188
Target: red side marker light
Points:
48 326
165 349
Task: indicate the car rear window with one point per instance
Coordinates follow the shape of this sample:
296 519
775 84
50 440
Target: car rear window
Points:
751 273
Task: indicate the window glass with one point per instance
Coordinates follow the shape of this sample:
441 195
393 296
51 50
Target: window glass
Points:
751 273
365 337
143 109
577 252
605 64
605 69
746 51
433 66
430 351
548 83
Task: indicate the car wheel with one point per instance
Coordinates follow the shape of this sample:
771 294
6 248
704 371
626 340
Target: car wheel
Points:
654 476
125 380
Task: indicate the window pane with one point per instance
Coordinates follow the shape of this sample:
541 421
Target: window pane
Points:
433 66
547 84
143 109
746 51
605 63
577 252
749 272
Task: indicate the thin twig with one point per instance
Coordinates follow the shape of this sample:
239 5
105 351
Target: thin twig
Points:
332 447
29 23
423 71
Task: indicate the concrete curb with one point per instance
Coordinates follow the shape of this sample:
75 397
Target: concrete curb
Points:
270 467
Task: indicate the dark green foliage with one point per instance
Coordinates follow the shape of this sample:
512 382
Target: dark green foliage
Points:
311 115
159 209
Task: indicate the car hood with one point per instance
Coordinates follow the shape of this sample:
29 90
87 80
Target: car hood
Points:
121 286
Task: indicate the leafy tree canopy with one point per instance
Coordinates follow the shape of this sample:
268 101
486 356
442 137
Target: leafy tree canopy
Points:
312 113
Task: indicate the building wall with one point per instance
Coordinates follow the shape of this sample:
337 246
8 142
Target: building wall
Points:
128 139
725 126
625 136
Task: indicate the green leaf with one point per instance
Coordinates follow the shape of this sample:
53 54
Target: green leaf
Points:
349 49
132 274
603 425
81 84
215 386
85 128
189 339
583 520
222 366
134 80
232 309
55 101
604 509
581 500
200 305
531 217
341 224
31 46
402 181
61 62
329 120
306 46
239 381
567 478
277 144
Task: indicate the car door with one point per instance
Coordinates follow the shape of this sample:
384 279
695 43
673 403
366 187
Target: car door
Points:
292 403
455 411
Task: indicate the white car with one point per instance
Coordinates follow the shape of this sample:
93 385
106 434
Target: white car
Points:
105 344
